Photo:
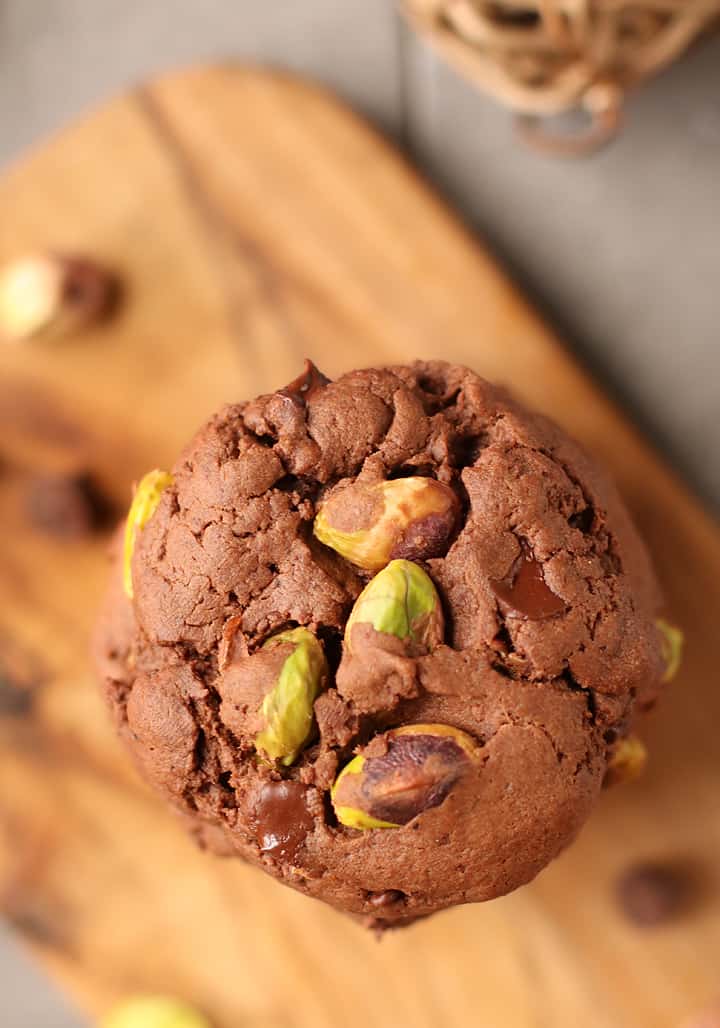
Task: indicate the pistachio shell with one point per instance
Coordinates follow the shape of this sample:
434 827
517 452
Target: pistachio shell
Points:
410 517
401 600
144 504
287 709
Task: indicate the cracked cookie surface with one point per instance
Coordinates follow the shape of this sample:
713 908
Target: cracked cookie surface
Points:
549 643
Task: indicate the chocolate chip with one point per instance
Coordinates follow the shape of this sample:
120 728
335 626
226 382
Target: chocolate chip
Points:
15 700
21 675
526 593
66 506
306 384
650 894
282 819
520 18
93 290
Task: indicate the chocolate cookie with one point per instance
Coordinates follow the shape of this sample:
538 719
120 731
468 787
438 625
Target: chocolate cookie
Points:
381 637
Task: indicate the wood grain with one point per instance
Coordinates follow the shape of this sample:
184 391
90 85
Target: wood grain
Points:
256 222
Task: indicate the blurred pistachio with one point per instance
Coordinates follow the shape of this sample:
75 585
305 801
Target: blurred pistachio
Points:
627 761
145 502
50 293
671 647
153 1012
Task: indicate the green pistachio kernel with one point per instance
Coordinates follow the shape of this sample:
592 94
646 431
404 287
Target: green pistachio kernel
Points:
401 774
671 647
153 1012
287 709
369 525
144 504
402 601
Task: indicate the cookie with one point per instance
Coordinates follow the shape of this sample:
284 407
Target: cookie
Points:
383 637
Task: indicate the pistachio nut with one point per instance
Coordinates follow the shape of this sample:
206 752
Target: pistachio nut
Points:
144 504
44 293
412 770
369 525
287 709
153 1012
671 647
401 601
627 761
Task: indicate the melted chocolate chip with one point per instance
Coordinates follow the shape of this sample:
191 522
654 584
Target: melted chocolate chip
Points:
306 384
526 593
282 819
385 899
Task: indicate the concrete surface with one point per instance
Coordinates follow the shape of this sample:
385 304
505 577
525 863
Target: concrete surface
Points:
621 250
27 999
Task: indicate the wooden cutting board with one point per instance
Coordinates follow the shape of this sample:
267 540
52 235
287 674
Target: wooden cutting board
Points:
256 221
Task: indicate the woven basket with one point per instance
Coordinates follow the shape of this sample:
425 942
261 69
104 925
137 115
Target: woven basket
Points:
545 57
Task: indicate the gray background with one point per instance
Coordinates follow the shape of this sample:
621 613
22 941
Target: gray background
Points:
620 250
